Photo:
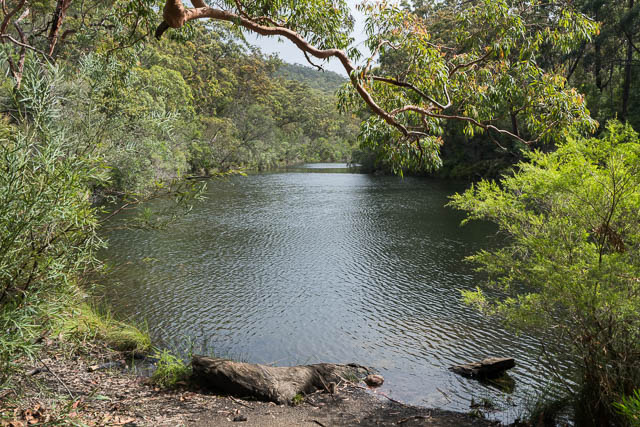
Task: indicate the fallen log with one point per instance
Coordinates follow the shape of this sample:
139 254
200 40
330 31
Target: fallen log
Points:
268 383
488 368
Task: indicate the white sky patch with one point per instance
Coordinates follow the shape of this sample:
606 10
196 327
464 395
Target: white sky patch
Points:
288 52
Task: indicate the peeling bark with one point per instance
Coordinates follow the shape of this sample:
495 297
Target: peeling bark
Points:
58 18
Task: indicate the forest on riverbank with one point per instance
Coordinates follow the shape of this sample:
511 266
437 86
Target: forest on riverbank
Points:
123 101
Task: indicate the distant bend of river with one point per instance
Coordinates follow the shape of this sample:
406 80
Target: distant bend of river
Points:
317 264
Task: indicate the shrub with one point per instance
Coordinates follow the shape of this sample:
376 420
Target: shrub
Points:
571 265
47 224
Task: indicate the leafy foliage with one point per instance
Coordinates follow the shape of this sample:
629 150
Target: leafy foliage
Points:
606 69
120 120
476 63
47 224
629 407
571 265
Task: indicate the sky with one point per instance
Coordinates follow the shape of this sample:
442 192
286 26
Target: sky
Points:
288 52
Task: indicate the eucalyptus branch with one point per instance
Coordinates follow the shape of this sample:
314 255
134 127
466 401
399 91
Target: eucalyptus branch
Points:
175 15
471 120
415 89
25 45
311 62
469 64
376 51
8 16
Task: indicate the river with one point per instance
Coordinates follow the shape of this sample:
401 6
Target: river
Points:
318 264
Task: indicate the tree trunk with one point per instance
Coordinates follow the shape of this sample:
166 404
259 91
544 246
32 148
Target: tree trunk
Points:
56 24
626 86
268 383
597 66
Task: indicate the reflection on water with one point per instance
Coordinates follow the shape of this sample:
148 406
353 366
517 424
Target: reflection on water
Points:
325 168
300 267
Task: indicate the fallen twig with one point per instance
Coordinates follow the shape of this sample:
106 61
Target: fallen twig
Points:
5 393
35 371
240 402
57 377
391 399
444 394
378 393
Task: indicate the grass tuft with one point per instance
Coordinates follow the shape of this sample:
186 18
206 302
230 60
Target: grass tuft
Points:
87 323
170 369
298 399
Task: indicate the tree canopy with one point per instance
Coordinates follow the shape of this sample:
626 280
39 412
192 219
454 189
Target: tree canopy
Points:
474 62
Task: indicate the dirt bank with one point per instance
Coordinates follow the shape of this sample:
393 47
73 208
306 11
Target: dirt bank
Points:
65 392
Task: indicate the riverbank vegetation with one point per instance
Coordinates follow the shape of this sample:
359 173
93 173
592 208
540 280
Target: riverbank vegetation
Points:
602 68
95 110
96 121
570 267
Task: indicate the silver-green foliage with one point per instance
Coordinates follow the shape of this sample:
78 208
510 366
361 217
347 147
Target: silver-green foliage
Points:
47 223
572 263
131 118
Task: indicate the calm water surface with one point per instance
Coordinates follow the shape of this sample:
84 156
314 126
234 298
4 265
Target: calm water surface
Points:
320 265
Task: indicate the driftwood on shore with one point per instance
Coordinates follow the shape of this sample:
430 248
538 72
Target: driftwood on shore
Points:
268 383
488 368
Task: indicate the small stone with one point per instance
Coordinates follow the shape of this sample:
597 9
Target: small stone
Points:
240 418
374 380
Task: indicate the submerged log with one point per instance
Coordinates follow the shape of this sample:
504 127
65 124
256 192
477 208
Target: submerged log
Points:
269 383
488 368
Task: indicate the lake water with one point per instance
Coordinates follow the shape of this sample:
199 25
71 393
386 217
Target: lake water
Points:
317 264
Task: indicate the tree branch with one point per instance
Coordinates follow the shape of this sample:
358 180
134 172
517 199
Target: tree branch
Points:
56 24
175 15
24 45
471 120
311 62
469 64
415 89
8 16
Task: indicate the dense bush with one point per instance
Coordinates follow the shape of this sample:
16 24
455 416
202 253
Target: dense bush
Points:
47 224
571 266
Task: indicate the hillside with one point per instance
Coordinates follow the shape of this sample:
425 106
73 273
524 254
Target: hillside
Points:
326 81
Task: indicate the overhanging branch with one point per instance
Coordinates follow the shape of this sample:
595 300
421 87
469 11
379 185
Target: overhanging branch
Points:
175 15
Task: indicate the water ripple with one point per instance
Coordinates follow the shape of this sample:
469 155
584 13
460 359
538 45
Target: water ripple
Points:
306 267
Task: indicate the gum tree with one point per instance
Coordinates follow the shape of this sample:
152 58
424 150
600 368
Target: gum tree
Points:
473 62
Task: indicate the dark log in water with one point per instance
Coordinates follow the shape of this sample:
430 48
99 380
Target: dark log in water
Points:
269 383
488 368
